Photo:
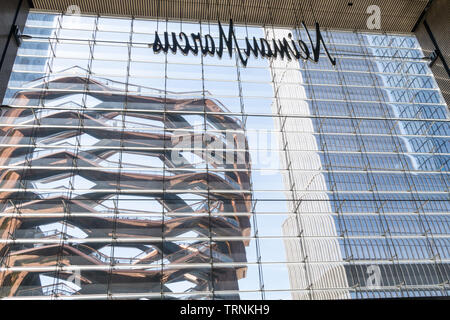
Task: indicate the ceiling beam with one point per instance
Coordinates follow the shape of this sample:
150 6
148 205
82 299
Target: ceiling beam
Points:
396 16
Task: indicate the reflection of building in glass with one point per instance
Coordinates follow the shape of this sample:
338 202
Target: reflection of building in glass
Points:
316 260
113 179
376 224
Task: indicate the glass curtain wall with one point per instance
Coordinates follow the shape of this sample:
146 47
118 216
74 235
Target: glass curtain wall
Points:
129 174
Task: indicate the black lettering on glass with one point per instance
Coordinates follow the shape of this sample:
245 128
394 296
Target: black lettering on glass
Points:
284 47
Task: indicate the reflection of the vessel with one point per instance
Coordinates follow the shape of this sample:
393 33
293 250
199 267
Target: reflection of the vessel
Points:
81 157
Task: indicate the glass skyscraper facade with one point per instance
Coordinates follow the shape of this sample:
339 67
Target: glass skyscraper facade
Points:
133 175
